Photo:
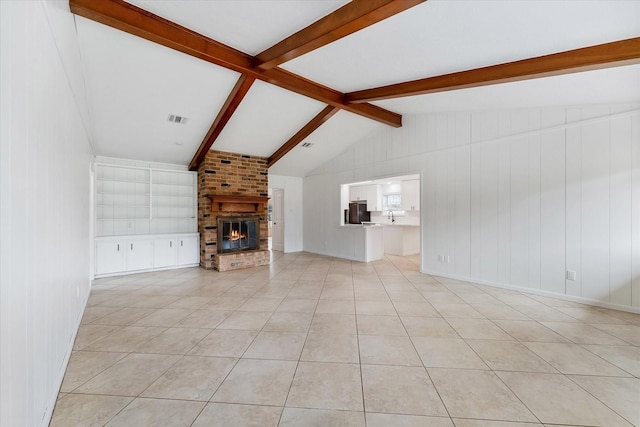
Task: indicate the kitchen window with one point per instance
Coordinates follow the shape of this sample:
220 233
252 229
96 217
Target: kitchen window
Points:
391 202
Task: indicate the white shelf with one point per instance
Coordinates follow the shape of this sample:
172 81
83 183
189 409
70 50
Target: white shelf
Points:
134 201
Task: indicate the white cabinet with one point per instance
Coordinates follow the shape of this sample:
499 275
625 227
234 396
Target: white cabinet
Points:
109 256
116 255
124 254
357 194
370 193
188 250
165 252
411 195
139 254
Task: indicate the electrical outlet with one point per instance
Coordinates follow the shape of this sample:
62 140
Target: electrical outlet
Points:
571 275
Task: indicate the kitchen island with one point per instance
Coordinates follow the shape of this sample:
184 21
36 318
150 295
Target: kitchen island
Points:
360 242
401 239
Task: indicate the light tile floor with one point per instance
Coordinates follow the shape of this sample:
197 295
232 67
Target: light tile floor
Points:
319 341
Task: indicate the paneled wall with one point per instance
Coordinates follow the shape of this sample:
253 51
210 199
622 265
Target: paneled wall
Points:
45 199
513 198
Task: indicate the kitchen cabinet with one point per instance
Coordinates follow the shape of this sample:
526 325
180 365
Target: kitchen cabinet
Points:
411 195
401 240
357 194
124 254
370 193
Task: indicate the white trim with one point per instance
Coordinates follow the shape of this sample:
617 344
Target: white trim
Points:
148 270
118 161
581 300
65 362
149 168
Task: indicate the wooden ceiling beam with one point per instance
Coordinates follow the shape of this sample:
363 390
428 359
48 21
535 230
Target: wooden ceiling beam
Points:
139 22
300 136
134 20
350 18
607 55
238 92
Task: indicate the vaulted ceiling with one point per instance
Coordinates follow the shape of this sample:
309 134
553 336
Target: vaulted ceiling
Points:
264 77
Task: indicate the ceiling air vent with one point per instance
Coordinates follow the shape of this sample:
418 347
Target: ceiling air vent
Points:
177 119
306 144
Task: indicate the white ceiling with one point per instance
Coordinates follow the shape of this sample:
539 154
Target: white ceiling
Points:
330 139
133 84
443 36
613 85
281 114
250 26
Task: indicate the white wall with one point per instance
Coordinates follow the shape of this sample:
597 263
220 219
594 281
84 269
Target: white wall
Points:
45 160
515 198
292 187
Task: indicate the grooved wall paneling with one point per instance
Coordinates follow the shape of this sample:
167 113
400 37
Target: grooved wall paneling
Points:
45 200
514 198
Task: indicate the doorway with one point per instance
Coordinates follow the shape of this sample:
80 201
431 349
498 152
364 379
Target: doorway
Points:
277 236
394 203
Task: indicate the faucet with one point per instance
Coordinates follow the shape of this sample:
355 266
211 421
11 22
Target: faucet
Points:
390 216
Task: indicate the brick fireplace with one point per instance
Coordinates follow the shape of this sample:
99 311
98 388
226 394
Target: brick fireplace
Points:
232 193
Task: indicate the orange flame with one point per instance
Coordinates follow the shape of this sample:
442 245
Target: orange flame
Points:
235 235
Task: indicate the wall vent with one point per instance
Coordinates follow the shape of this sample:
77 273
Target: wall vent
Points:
177 119
306 144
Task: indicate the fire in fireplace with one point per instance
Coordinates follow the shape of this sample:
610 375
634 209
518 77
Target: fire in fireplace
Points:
238 234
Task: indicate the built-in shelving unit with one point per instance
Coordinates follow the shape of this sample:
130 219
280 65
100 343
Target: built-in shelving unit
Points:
173 201
134 200
146 217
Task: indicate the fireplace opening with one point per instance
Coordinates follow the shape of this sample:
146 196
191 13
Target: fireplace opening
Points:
238 234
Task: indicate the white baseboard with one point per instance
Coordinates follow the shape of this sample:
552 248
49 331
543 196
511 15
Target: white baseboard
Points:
46 420
581 300
148 270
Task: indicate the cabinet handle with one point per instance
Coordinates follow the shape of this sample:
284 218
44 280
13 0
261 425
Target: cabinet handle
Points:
132 246
118 247
170 244
181 243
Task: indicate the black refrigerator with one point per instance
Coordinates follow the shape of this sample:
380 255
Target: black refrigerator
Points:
358 212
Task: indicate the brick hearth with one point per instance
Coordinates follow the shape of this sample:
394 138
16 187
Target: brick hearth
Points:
230 174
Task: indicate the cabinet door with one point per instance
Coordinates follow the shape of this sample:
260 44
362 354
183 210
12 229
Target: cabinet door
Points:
188 250
411 195
109 256
165 252
373 198
369 193
139 254
356 194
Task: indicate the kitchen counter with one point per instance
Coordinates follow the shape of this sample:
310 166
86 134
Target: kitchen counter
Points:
360 242
401 239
